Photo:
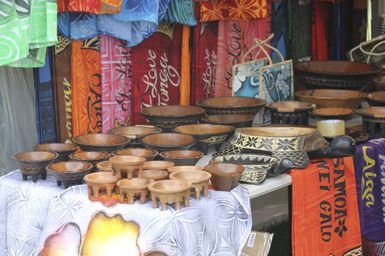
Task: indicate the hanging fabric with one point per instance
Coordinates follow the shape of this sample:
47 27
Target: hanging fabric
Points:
280 27
185 87
320 30
86 87
137 21
45 104
116 78
63 90
233 10
325 218
18 131
156 70
90 6
181 12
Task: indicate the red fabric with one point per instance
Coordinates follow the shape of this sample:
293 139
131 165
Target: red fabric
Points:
320 30
156 66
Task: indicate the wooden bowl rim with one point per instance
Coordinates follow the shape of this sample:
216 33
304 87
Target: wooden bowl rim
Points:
52 156
86 167
185 186
208 102
40 147
123 138
205 176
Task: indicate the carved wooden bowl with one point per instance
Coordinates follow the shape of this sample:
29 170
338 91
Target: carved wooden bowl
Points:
131 188
100 183
232 105
168 141
198 179
235 120
104 166
373 120
336 74
157 165
208 133
135 132
149 154
182 157
376 98
170 192
224 177
92 157
126 166
101 142
62 149
333 113
168 117
69 173
290 112
153 175
184 168
331 98
33 163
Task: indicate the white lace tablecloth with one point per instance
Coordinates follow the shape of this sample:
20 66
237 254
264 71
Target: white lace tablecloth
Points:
31 212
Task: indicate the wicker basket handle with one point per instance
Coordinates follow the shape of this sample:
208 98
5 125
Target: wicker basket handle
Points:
260 45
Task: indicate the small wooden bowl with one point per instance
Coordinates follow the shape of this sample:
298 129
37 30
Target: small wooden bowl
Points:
333 113
126 166
62 149
92 157
129 188
170 191
235 120
184 168
376 98
100 183
104 166
224 177
232 105
101 142
135 133
33 163
157 165
182 157
168 141
149 154
291 106
198 179
153 175
69 173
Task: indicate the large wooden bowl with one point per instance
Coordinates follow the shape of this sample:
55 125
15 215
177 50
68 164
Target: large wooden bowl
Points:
376 98
62 149
336 74
149 154
69 173
372 112
328 98
101 142
235 120
168 117
232 105
333 113
168 141
224 177
135 132
205 131
182 157
291 106
92 157
184 168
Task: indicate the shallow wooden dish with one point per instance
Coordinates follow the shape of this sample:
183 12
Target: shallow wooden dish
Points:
153 175
149 154
126 166
62 149
92 157
232 105
157 165
184 168
100 183
182 157
333 113
69 173
168 117
198 179
169 192
328 98
168 141
224 177
129 188
235 120
373 112
101 142
135 132
376 98
336 74
104 166
291 106
33 163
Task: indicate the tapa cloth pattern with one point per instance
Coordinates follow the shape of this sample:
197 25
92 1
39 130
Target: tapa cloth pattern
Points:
325 219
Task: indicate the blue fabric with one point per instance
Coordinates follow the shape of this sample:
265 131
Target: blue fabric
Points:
137 20
182 12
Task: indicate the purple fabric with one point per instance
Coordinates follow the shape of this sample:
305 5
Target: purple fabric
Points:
369 164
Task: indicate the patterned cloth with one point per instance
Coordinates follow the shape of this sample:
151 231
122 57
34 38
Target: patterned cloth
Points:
116 75
320 31
280 28
89 6
181 11
325 219
31 212
233 10
137 20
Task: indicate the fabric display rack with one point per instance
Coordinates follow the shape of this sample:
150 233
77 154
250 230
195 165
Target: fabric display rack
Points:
170 127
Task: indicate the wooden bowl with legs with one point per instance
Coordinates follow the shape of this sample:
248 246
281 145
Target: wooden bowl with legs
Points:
170 192
130 188
198 179
100 183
